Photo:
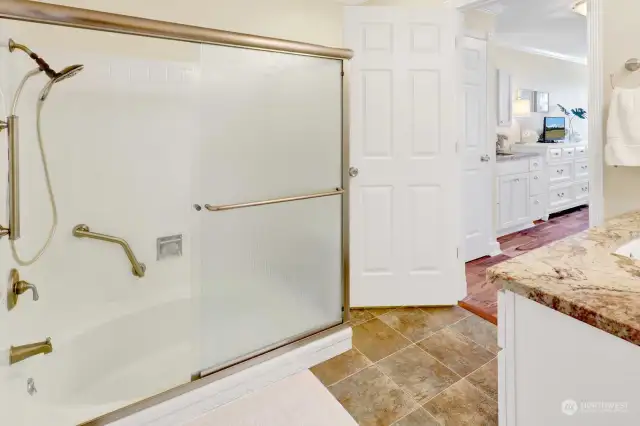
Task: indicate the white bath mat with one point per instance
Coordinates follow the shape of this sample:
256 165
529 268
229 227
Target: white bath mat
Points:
299 400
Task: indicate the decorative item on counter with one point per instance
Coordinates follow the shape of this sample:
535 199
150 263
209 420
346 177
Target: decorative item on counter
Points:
581 113
501 142
530 136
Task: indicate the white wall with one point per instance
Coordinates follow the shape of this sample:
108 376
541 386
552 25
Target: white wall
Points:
620 31
565 81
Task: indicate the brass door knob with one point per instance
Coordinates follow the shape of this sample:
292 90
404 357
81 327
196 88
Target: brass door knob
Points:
18 287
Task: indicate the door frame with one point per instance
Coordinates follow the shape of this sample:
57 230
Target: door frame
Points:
596 104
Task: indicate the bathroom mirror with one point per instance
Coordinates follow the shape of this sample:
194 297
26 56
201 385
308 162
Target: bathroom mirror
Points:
539 101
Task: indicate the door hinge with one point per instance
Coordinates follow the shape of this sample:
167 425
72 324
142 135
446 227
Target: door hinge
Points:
458 253
342 73
457 146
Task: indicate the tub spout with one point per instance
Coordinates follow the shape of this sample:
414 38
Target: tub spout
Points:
20 353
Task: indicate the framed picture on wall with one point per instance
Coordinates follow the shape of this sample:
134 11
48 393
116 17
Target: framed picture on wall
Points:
542 102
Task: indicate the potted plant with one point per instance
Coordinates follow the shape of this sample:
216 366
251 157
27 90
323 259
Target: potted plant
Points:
580 113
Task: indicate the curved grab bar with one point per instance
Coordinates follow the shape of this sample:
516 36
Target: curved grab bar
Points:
82 231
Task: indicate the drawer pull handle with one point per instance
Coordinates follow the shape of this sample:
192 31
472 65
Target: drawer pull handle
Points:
535 177
536 202
535 164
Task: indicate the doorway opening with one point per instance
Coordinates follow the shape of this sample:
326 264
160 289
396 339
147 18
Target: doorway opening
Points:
537 149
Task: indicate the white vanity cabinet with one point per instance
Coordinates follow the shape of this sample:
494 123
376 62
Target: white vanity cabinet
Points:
520 187
514 206
566 167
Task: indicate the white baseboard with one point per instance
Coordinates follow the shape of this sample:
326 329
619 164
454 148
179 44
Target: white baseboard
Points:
188 407
494 249
507 231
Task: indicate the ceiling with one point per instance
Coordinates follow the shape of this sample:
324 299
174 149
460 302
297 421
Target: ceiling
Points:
546 26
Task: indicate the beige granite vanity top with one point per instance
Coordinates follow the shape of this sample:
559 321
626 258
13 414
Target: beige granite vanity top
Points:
580 277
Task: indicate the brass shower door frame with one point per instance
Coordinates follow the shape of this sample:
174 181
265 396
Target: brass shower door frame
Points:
51 14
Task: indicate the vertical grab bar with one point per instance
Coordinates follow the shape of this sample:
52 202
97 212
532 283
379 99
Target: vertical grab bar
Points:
14 179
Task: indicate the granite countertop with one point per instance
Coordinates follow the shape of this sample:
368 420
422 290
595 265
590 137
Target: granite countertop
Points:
580 277
516 156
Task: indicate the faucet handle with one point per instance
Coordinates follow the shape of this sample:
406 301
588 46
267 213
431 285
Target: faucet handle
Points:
19 287
22 286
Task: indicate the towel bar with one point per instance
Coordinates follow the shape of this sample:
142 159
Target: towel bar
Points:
211 208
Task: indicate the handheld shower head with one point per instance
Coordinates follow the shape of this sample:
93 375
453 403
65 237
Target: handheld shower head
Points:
66 73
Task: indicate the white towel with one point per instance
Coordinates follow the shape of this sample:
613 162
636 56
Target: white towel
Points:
623 128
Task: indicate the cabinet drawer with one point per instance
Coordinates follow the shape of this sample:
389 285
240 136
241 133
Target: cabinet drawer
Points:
581 190
560 195
581 151
561 172
555 154
536 207
582 169
536 184
535 164
568 153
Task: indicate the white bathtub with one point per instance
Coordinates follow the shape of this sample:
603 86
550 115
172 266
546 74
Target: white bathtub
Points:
102 370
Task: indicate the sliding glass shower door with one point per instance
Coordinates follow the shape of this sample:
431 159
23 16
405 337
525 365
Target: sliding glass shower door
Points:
268 181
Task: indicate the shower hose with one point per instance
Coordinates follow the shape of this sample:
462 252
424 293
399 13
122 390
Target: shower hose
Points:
45 168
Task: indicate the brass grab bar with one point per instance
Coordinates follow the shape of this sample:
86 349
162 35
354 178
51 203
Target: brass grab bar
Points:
82 231
211 208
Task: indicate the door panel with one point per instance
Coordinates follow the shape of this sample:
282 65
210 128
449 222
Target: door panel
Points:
514 200
476 173
405 227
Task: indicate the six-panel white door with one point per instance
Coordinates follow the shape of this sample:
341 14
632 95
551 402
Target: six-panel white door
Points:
405 201
476 158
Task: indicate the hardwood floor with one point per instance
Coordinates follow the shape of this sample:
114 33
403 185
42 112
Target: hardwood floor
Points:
482 296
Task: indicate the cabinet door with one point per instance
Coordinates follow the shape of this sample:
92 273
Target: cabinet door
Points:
514 200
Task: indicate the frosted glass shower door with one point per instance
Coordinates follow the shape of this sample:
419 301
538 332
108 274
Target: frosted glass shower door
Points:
272 129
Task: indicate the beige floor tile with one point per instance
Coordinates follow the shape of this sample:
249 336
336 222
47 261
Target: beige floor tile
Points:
376 312
413 323
463 405
456 351
480 331
418 418
417 373
486 378
441 317
377 340
372 398
358 316
336 369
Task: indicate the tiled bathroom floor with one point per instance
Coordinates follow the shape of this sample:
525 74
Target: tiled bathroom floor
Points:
417 367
